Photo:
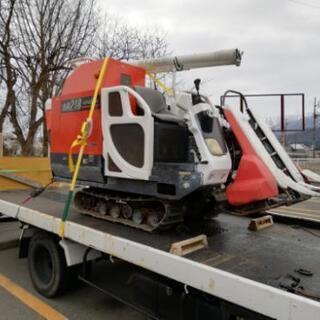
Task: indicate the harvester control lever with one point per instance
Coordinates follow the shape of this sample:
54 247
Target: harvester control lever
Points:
197 85
196 98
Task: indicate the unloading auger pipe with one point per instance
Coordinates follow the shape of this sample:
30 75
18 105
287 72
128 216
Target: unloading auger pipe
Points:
191 61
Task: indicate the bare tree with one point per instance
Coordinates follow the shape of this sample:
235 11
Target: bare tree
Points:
122 41
39 38
50 33
7 70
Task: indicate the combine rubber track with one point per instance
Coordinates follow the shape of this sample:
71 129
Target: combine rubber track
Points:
143 213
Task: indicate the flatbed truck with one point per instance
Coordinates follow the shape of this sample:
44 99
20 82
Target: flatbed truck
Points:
239 274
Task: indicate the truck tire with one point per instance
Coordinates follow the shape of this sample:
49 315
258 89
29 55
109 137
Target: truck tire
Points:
47 265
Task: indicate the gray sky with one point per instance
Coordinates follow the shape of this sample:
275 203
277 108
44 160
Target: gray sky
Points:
280 40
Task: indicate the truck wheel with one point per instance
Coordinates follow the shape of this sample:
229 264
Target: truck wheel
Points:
47 266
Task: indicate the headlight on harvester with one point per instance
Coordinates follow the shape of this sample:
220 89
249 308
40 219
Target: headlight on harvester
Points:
214 147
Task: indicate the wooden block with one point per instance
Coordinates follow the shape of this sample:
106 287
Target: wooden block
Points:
260 223
185 247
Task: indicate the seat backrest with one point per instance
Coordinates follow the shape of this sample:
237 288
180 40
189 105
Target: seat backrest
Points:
153 98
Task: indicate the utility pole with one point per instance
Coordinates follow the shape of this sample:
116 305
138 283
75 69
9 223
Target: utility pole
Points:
315 115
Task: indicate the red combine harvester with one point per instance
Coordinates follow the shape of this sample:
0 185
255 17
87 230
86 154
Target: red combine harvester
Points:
153 159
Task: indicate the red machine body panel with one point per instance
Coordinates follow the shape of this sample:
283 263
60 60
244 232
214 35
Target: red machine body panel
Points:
70 109
254 181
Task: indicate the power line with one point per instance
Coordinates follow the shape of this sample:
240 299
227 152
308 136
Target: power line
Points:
311 5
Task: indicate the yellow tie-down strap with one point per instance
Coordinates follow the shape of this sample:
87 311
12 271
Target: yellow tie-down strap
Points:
159 83
81 141
86 127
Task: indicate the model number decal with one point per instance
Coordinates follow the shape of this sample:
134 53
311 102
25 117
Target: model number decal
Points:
77 104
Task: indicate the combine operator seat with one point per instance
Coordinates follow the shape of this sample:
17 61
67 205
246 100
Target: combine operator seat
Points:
157 104
171 139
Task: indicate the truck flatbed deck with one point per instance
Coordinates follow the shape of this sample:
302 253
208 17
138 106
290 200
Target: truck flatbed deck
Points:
243 267
304 211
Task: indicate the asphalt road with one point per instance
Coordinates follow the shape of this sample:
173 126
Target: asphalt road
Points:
81 303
